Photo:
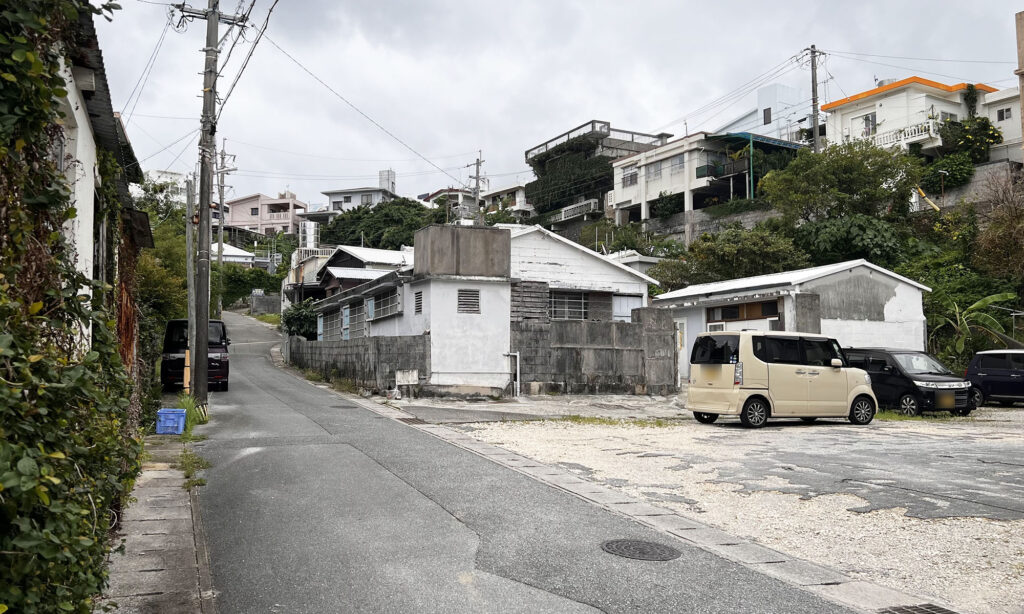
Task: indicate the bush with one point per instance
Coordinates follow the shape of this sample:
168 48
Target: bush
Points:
300 319
958 170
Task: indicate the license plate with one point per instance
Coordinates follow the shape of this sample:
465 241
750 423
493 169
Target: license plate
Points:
946 400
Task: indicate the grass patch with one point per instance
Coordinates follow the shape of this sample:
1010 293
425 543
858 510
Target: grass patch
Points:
193 415
600 421
344 384
313 375
191 463
270 318
891 416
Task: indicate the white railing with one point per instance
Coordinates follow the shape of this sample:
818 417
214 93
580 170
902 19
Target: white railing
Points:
575 211
283 215
902 135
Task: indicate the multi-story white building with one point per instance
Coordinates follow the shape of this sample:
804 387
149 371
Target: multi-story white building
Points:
511 198
902 112
1003 109
781 113
347 199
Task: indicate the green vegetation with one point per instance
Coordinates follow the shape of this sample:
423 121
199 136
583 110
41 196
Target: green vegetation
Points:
193 414
605 237
69 441
735 207
949 172
190 464
300 319
389 225
602 421
892 416
270 318
566 172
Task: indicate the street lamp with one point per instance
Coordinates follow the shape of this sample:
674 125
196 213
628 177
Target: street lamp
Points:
942 185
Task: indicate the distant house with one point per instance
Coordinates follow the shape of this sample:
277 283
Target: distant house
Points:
233 255
856 302
346 199
311 274
511 199
264 214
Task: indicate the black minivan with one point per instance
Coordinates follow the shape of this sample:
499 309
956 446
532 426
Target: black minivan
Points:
172 363
911 382
997 375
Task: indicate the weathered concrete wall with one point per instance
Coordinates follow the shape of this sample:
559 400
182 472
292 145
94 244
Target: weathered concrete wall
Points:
674 226
268 303
371 362
976 189
592 357
477 251
529 301
807 307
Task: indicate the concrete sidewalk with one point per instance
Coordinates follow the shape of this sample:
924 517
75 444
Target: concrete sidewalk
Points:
164 566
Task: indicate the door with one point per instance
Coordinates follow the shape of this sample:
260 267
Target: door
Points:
1017 375
994 371
826 385
787 376
887 381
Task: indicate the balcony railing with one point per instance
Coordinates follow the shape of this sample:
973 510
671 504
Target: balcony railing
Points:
574 211
723 169
909 134
283 215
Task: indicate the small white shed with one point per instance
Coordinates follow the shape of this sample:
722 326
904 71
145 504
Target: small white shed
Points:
855 302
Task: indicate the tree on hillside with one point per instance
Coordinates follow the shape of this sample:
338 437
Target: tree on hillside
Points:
853 177
389 225
732 253
850 237
1000 245
607 237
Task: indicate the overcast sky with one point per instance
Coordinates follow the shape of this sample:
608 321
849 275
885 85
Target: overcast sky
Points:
449 78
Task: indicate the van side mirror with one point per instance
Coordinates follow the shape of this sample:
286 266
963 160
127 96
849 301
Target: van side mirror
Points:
836 363
227 341
887 369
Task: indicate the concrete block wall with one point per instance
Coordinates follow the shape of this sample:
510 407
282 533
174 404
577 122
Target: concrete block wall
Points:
268 303
593 357
370 362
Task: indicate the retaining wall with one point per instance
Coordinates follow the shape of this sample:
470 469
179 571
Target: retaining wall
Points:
371 362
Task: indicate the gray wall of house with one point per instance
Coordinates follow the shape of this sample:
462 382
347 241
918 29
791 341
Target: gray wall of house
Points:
591 357
268 303
476 251
370 362
977 188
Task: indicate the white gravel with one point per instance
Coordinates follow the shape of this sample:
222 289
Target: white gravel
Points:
974 564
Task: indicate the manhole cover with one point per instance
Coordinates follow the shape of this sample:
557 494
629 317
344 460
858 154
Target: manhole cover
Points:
924 608
640 550
412 420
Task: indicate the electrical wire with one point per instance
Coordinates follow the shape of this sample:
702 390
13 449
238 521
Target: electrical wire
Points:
309 155
245 63
241 30
912 69
165 147
900 57
365 116
147 70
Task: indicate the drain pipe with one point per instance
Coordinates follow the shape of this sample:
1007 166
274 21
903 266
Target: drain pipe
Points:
515 387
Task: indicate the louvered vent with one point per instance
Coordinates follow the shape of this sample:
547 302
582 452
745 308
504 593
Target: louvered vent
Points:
469 301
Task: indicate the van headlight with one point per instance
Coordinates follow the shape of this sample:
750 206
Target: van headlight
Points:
920 384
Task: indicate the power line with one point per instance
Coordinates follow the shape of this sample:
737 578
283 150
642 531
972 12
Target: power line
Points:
241 30
144 77
365 116
900 57
912 69
165 147
245 63
309 155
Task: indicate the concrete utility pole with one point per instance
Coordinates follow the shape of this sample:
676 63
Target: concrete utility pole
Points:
1019 17
814 97
480 220
220 226
207 147
190 251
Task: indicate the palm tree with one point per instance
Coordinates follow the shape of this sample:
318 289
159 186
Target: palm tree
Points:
965 322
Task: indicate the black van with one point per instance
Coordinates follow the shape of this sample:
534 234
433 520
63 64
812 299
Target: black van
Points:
997 375
911 382
172 365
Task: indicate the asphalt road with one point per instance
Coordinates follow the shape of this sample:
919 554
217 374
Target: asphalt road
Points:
314 504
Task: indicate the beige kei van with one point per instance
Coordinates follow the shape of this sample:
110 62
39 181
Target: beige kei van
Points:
758 375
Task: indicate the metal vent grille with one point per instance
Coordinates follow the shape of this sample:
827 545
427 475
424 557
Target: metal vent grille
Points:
412 420
469 301
924 608
418 300
640 550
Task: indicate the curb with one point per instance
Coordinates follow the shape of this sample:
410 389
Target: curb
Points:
207 603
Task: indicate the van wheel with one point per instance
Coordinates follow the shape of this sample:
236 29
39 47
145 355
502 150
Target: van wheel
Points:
862 411
908 405
755 413
977 396
704 418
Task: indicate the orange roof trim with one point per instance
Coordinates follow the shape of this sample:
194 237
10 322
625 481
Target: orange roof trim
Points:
901 83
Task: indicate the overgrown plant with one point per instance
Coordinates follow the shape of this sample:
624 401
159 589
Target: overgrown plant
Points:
68 454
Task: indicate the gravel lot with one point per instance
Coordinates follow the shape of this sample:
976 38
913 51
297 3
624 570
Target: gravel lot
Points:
773 486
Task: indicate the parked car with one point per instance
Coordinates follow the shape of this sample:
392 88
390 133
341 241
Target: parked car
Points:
172 363
911 382
760 375
997 375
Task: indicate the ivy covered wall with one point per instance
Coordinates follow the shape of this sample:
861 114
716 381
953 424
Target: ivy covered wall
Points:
567 172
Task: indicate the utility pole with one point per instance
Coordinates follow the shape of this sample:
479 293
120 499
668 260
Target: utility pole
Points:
190 252
476 191
220 226
1019 17
207 148
814 97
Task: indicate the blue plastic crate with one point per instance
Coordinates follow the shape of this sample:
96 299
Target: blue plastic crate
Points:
170 421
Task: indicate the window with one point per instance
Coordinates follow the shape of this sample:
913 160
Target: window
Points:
715 328
629 175
677 164
731 312
1017 361
366 199
993 361
716 350
348 199
1004 114
857 360
819 352
867 124
654 171
767 116
385 304
469 301
332 325
770 308
567 306
783 350
254 211
946 116
356 324
418 300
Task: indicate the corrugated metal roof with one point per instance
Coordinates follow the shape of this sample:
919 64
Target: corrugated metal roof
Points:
380 256
787 278
341 272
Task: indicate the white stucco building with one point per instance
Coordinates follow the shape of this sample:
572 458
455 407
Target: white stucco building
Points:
857 303
781 113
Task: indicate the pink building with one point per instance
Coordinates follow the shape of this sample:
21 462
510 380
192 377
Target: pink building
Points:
265 215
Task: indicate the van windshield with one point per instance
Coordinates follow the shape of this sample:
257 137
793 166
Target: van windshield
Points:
920 363
176 337
716 350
